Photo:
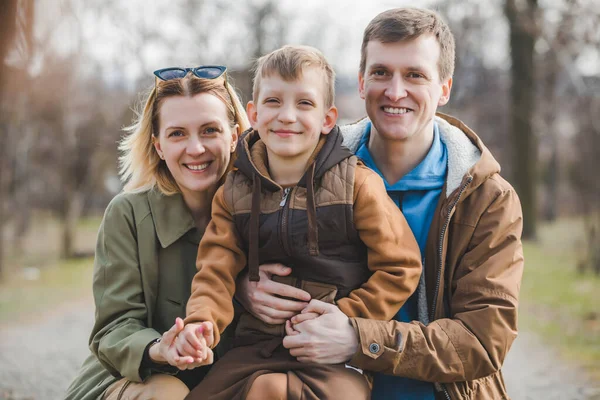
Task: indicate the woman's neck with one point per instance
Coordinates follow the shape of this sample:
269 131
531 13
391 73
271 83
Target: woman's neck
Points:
199 204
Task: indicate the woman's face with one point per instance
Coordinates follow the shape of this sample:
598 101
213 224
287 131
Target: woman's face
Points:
195 140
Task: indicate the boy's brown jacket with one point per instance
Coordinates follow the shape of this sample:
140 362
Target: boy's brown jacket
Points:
337 226
473 268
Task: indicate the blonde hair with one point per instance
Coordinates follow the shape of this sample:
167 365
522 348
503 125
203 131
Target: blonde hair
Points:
289 62
141 168
399 24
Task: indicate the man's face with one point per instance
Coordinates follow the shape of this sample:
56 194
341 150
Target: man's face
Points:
401 87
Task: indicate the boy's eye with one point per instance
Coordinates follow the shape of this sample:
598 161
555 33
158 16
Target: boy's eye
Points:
271 100
306 103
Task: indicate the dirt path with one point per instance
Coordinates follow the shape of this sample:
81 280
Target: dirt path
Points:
39 359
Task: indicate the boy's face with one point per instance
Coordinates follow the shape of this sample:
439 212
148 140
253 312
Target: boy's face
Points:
291 116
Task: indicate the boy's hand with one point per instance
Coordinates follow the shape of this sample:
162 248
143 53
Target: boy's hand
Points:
195 341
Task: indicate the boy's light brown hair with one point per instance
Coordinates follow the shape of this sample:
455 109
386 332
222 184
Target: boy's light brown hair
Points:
401 24
288 62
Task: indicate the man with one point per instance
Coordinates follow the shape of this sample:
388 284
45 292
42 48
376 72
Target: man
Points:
450 339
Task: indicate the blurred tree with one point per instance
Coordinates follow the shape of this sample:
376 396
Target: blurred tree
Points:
522 17
16 21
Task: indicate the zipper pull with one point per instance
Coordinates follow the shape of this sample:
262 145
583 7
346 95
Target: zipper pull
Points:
286 193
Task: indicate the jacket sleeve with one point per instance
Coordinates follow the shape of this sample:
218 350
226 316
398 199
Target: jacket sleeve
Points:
120 333
392 252
473 343
220 260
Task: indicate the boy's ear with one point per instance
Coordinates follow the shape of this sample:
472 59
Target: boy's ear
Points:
330 120
252 113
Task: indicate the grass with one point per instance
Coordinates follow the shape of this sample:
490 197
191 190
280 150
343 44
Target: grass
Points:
557 302
37 279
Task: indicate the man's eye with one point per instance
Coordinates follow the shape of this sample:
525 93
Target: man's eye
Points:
415 75
379 72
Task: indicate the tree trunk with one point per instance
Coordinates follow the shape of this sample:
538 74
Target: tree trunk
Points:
523 35
73 208
8 13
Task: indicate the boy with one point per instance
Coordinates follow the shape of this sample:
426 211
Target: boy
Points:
300 198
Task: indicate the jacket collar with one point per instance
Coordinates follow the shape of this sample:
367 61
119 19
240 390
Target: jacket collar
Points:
172 218
467 155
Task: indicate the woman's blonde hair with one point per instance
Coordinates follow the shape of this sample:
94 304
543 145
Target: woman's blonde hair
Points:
141 168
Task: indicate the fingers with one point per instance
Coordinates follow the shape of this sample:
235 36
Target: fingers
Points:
274 269
188 342
319 307
289 329
281 289
208 333
170 335
305 316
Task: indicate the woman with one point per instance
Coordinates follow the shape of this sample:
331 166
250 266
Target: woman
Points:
175 156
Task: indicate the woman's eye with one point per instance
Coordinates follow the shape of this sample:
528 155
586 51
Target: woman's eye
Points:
211 129
176 134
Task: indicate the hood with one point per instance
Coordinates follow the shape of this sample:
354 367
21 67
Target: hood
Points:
467 155
252 161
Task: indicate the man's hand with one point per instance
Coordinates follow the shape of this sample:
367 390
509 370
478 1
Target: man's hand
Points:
327 339
261 298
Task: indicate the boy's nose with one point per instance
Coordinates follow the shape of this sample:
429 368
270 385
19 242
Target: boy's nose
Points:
287 114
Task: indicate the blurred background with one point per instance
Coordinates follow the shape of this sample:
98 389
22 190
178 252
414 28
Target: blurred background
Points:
527 81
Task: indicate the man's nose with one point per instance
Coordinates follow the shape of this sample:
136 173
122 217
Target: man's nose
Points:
396 89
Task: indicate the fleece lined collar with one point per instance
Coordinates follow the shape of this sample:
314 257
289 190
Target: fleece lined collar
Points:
465 150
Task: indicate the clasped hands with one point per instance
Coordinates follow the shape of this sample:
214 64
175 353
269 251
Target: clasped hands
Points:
185 347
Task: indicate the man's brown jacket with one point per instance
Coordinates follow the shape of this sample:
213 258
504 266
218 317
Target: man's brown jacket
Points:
473 267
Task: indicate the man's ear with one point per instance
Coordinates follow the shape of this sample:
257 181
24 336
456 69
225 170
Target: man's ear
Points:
330 120
235 135
361 85
446 89
252 113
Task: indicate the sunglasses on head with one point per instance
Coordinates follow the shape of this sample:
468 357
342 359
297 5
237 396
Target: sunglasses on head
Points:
203 71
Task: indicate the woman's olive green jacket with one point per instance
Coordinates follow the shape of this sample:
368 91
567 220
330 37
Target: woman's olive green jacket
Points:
145 261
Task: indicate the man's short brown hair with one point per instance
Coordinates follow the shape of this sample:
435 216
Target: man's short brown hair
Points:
401 24
289 62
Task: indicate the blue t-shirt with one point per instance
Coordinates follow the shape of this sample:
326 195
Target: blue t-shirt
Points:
417 195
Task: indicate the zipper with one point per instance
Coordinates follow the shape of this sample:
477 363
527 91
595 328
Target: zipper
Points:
441 386
284 219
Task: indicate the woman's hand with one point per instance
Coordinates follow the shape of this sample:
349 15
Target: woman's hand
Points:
263 298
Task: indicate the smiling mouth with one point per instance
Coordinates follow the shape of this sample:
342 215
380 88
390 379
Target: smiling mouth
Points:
285 132
197 167
396 110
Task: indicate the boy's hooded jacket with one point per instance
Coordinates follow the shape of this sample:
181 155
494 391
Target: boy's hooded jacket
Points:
473 268
337 229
